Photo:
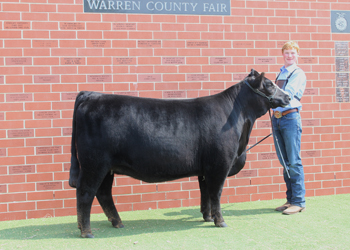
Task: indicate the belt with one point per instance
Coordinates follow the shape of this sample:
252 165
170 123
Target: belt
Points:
278 114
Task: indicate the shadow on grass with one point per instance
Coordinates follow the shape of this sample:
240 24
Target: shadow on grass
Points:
101 229
190 218
194 213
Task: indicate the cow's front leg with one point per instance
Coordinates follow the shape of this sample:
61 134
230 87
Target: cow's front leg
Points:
215 185
104 196
205 200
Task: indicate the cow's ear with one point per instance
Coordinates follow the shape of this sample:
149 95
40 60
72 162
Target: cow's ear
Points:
254 73
259 80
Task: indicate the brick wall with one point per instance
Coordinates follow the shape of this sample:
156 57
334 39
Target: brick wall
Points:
51 49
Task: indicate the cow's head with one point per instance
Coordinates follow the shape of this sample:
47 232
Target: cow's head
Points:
264 87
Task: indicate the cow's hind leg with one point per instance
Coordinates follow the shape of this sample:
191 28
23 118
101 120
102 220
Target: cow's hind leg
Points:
215 185
84 203
104 196
205 200
87 186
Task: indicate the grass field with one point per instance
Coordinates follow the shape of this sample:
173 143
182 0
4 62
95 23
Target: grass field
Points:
251 225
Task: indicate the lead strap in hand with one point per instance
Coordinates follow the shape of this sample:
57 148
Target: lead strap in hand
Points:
278 147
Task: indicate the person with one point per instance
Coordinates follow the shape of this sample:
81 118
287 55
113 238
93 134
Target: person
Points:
287 130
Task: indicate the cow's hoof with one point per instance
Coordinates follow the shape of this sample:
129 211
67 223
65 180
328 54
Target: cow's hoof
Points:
87 235
208 219
119 225
221 224
116 223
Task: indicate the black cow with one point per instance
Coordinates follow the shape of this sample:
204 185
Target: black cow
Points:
156 140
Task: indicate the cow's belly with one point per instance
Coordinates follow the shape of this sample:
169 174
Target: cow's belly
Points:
157 160
156 172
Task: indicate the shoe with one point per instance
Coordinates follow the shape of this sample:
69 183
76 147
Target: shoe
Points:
283 207
294 210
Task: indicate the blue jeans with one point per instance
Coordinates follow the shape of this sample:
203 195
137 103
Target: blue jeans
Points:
287 130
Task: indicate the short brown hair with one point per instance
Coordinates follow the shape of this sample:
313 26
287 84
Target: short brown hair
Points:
290 45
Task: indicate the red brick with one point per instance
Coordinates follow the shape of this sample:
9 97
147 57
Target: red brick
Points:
190 185
258 197
49 204
169 187
268 188
23 187
189 35
195 194
343 190
228 191
173 44
169 204
239 198
239 182
90 69
15 7
10 16
164 35
177 195
17 43
22 206
41 214
164 18
66 212
329 191
246 190
144 206
11 161
13 216
174 77
20 151
105 17
128 198
144 188
153 197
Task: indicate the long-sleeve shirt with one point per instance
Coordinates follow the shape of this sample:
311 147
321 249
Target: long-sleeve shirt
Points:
295 86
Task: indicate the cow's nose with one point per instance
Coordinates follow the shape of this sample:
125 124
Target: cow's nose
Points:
289 98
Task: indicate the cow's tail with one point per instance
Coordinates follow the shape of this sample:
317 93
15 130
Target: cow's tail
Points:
75 166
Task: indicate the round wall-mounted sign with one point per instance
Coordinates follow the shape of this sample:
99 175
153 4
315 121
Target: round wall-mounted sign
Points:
340 22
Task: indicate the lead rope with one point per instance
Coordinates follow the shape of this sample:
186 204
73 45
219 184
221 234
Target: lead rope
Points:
278 147
258 142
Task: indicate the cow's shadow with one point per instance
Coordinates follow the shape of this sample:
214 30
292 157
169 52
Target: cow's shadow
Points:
101 228
228 212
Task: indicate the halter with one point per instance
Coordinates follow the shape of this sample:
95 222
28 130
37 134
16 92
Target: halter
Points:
270 97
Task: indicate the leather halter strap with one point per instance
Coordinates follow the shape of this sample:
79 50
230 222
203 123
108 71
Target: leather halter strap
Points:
270 97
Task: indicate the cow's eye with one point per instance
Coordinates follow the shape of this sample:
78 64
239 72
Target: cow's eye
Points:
269 84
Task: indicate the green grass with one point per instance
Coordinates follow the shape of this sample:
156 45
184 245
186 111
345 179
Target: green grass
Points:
251 225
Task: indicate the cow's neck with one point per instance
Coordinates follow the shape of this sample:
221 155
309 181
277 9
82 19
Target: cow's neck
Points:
245 102
255 104
246 106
